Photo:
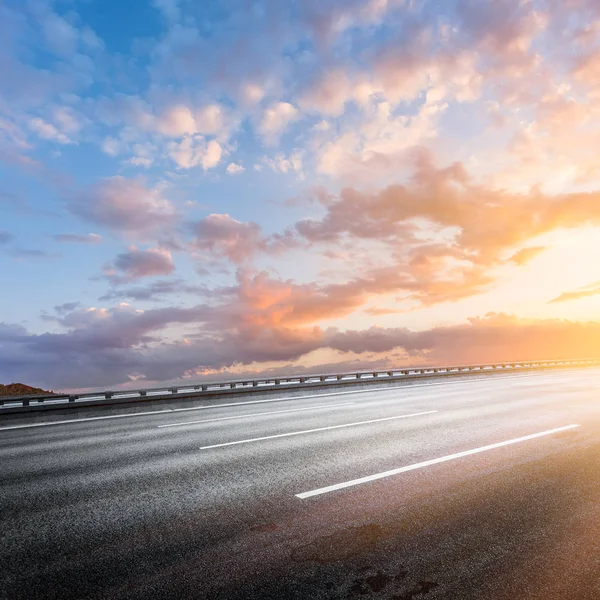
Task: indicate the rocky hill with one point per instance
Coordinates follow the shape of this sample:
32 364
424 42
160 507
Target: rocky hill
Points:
20 389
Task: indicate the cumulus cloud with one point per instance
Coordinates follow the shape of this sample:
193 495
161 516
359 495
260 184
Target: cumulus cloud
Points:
195 151
135 264
485 221
176 121
222 235
280 163
48 131
275 120
328 94
123 205
234 168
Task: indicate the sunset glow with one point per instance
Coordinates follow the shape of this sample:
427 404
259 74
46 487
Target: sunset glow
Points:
194 189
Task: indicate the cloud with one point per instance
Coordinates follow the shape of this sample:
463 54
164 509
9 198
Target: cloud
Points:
586 292
123 205
234 169
376 142
496 337
587 69
169 9
482 223
109 347
26 253
195 151
275 120
377 312
59 34
282 164
47 131
135 264
524 255
67 307
156 290
177 121
89 238
6 237
223 236
328 94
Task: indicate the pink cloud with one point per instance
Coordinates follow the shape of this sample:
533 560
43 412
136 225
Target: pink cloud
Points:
103 348
124 205
222 235
135 264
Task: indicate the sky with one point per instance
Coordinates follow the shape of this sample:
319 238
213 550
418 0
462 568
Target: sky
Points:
207 189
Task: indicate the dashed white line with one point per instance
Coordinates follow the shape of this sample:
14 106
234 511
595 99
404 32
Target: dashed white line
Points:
271 412
427 463
281 435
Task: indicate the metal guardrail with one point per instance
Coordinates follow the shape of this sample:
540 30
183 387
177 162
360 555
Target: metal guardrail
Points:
296 381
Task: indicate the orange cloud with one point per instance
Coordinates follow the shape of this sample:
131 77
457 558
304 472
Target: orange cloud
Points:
590 290
526 254
495 337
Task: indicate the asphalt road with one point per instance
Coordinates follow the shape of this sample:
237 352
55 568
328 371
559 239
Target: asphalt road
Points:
501 500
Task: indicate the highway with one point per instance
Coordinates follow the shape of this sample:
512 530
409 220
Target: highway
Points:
482 488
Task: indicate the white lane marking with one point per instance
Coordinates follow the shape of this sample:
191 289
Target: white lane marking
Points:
48 423
300 397
280 435
271 412
427 463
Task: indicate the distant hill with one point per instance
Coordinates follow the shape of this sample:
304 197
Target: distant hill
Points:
20 389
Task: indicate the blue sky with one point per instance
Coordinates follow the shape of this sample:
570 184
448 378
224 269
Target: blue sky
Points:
202 189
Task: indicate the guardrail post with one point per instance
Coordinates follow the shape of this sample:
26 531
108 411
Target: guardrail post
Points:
72 398
25 401
142 392
108 395
204 387
277 382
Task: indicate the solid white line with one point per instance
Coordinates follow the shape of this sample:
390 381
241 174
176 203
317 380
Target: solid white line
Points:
48 423
300 397
280 435
272 412
427 463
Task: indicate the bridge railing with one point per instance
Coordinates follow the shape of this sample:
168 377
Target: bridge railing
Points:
263 383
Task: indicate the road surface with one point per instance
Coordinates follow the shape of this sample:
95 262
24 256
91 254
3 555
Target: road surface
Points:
483 488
